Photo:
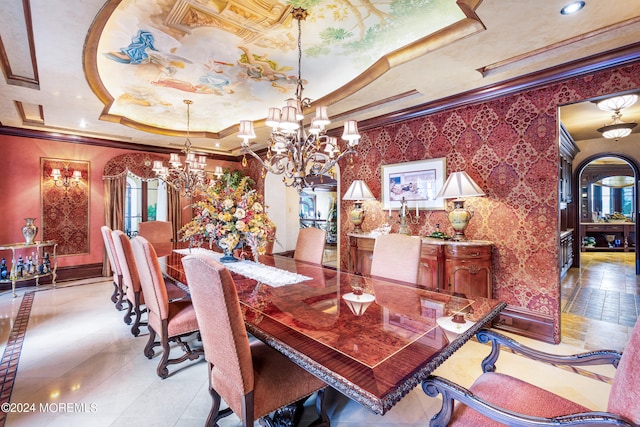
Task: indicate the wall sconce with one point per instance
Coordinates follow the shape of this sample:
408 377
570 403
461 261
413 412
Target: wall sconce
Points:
66 179
459 185
358 191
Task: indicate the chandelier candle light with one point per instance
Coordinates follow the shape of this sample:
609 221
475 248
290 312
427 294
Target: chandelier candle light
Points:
457 186
292 151
191 177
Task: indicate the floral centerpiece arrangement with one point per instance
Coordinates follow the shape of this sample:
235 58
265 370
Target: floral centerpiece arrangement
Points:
229 216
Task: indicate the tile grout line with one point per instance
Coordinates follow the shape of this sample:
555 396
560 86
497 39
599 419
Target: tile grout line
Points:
11 355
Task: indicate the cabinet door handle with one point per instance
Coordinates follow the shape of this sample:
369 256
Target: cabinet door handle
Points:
475 254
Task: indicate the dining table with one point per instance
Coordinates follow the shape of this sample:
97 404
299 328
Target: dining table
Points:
372 339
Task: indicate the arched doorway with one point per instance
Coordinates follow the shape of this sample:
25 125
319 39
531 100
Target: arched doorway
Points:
318 205
607 211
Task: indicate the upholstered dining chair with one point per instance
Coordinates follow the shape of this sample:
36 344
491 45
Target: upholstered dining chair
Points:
130 279
253 378
497 399
310 245
159 234
118 291
131 282
169 322
396 256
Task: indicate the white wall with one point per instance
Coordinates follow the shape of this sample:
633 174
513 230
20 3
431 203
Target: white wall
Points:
282 206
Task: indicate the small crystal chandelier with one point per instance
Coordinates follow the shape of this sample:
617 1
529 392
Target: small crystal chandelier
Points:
190 178
294 152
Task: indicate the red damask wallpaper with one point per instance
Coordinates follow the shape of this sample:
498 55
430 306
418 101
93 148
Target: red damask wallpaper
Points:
509 146
65 210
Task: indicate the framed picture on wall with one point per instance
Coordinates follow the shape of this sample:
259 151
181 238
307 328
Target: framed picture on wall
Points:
417 182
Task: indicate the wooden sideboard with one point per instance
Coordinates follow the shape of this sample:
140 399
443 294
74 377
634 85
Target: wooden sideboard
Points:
624 232
445 265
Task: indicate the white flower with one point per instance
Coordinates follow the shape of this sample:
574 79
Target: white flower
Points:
240 226
240 213
228 203
210 228
257 207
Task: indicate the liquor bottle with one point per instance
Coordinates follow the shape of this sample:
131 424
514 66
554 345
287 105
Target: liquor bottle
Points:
20 266
4 272
30 268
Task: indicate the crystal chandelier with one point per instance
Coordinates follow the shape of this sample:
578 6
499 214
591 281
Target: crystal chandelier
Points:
293 151
190 178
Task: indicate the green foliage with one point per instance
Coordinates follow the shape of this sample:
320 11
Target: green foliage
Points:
151 212
232 178
305 4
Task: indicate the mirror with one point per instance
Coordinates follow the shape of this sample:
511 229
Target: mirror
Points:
607 191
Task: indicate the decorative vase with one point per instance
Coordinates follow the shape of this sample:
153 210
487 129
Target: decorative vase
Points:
29 231
228 252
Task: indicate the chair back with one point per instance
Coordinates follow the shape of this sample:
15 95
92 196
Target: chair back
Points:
151 279
111 251
156 231
624 398
396 256
224 336
310 245
159 234
124 252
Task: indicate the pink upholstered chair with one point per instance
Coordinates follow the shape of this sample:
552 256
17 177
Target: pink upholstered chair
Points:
118 291
252 378
169 322
130 279
310 245
396 256
496 399
131 282
159 234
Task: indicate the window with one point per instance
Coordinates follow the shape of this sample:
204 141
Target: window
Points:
143 202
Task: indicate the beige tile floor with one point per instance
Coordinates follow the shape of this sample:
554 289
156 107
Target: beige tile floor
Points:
77 349
600 301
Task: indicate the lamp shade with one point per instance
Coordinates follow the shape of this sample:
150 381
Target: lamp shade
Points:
358 190
459 184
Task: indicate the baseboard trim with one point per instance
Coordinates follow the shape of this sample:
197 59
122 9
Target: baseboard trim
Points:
526 323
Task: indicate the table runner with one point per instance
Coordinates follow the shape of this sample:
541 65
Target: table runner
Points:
266 274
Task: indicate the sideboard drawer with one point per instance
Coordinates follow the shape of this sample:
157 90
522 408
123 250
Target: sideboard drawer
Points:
463 251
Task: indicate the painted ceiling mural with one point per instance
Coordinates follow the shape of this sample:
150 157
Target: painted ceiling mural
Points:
235 59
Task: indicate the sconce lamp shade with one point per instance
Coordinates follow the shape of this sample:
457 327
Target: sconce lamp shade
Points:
459 185
358 191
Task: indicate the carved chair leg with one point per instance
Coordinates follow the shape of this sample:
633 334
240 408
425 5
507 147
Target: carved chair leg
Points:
114 295
215 413
162 370
135 329
127 315
120 295
148 349
323 419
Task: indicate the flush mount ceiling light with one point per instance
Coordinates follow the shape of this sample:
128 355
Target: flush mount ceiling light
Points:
572 7
617 103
